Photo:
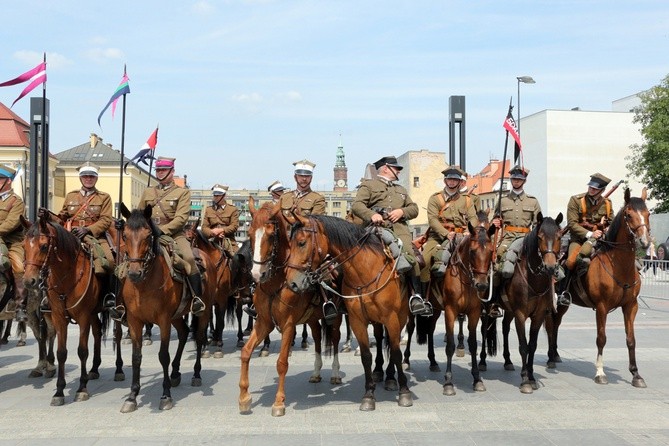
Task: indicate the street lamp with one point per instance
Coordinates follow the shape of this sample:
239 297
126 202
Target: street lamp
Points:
524 80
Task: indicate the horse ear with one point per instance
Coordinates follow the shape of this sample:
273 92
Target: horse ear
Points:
540 218
559 218
252 206
25 223
302 219
628 195
644 193
491 230
124 210
43 220
148 210
472 231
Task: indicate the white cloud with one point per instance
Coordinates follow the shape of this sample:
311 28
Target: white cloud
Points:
290 96
102 55
54 60
203 7
98 41
248 98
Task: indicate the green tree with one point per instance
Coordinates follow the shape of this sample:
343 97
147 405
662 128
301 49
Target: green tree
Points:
649 161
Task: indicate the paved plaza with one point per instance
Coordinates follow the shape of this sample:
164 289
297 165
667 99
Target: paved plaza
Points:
567 409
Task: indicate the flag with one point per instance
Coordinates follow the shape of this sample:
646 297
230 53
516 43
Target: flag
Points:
17 182
123 88
36 76
510 126
146 151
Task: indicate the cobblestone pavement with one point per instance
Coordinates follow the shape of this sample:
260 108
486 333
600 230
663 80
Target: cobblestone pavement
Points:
567 409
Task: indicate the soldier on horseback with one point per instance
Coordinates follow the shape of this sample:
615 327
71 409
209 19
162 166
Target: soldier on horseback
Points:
11 238
276 189
221 220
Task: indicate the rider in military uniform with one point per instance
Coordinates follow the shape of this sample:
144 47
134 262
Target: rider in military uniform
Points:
87 214
518 213
464 190
381 201
221 221
448 213
171 208
276 189
302 200
11 238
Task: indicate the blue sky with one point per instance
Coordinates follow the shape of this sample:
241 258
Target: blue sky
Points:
241 89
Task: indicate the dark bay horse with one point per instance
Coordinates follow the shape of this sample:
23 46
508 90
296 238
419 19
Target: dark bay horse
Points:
612 281
370 286
530 293
279 307
57 260
152 295
465 284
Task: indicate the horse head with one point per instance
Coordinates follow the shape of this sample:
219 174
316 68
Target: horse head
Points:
139 235
636 217
543 244
269 241
305 253
476 252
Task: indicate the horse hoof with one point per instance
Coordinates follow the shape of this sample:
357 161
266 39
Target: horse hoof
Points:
50 373
35 374
218 354
377 377
305 345
278 411
435 368
639 383
119 376
81 396
479 386
196 382
245 406
460 352
391 385
601 379
146 342
93 375
405 400
346 349
483 367
57 400
406 365
166 403
264 353
175 380
240 344
368 404
357 351
550 365
206 354
449 390
315 379
557 358
126 341
246 332
534 385
335 380
526 388
21 343
509 367
129 406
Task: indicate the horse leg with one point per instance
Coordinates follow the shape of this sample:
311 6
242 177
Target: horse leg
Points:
434 365
260 331
82 352
460 349
525 386
119 375
240 333
506 328
146 338
318 357
135 331
411 326
264 351
6 329
347 344
96 328
279 406
629 314
535 326
200 341
305 336
182 336
50 331
553 321
39 332
166 402
377 373
58 398
600 315
472 322
390 383
335 337
449 320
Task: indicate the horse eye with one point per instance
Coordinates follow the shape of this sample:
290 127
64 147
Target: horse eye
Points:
302 243
44 247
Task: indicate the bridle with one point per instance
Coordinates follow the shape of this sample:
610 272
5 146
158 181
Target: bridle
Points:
145 261
467 269
272 267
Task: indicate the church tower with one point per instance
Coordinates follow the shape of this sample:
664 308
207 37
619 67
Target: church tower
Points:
340 170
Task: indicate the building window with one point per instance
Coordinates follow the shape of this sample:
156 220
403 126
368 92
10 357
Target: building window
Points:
336 204
416 181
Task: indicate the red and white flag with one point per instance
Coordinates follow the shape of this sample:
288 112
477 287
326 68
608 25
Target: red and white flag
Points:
510 126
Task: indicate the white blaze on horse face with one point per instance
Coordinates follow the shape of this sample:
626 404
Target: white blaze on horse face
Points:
644 239
255 271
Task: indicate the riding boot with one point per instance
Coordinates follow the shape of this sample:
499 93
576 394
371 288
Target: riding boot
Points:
250 309
495 310
416 303
424 286
563 295
197 306
20 298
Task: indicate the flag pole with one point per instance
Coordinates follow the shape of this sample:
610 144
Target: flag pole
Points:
148 182
498 211
44 194
120 186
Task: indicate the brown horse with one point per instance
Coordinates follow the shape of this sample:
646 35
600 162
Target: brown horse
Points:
370 286
152 295
612 281
56 259
466 284
279 307
529 293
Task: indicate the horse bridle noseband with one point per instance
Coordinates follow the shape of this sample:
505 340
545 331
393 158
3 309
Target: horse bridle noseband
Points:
149 255
273 252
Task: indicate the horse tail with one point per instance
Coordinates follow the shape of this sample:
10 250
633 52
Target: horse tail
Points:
490 327
326 340
230 310
423 328
104 320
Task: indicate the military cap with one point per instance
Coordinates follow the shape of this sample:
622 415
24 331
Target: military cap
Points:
388 161
304 167
598 181
7 172
88 168
518 172
453 172
163 162
276 187
219 189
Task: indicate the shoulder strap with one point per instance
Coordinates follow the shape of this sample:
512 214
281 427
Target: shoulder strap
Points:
10 203
83 206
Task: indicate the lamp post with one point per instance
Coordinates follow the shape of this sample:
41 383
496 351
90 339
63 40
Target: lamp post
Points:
524 80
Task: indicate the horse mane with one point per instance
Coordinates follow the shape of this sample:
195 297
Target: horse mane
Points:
65 241
347 235
636 204
137 221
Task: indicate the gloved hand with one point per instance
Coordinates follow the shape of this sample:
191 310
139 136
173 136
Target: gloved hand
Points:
43 213
81 232
119 224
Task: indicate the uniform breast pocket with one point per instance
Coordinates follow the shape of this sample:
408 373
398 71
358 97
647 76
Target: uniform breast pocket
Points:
172 203
95 210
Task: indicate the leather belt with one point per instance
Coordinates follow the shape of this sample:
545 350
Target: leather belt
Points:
161 220
516 229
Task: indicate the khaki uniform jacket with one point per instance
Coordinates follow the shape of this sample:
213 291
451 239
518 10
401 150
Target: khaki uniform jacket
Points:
171 207
226 217
378 193
11 209
476 200
577 232
519 211
311 203
459 210
95 214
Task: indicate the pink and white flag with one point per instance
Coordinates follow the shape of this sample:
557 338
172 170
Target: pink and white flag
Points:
35 77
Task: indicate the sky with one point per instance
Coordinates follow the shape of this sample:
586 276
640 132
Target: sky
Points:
243 88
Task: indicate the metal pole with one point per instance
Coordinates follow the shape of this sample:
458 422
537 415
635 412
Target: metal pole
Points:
518 106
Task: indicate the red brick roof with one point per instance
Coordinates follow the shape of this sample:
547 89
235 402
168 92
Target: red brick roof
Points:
13 129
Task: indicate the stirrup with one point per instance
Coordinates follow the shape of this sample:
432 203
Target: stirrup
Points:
495 311
329 312
44 306
429 309
416 305
117 313
197 307
564 299
250 310
109 301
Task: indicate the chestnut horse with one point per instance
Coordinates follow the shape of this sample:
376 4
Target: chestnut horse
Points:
530 293
152 295
58 261
278 306
612 281
370 286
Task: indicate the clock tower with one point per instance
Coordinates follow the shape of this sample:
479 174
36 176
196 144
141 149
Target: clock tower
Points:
340 171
